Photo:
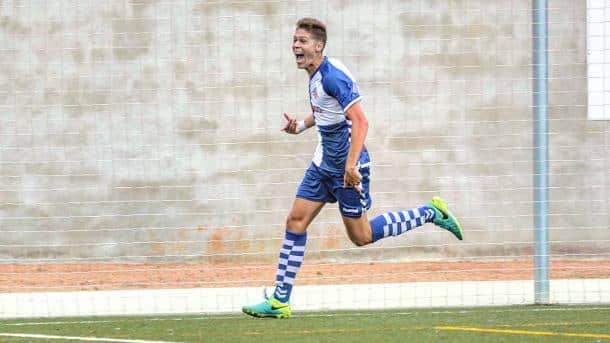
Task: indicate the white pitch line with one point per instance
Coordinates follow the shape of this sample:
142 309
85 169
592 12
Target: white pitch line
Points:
82 339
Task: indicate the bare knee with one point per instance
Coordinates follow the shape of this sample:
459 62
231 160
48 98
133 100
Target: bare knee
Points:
360 243
358 230
296 223
360 240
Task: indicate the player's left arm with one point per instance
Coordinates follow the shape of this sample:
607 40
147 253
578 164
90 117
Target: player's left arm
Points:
360 126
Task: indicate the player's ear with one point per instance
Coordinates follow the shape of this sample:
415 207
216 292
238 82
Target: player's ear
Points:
319 46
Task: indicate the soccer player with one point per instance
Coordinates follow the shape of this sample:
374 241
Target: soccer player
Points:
339 171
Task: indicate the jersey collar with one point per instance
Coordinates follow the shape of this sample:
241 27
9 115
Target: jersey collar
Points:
324 60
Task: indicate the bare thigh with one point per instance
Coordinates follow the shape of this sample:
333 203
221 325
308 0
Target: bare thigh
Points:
359 230
302 214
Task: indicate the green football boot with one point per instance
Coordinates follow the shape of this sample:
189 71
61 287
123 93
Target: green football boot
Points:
444 218
270 308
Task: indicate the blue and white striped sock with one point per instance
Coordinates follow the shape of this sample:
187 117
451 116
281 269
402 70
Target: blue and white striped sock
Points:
396 223
291 258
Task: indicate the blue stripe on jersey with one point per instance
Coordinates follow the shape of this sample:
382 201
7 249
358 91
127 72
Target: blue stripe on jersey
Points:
335 145
338 84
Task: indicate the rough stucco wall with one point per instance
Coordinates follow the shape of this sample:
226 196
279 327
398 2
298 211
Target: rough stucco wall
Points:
150 130
580 169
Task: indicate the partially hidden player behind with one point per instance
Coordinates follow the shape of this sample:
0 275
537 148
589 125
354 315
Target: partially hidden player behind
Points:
339 171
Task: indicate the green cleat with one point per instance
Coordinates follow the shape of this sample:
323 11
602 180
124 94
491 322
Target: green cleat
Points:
444 218
270 308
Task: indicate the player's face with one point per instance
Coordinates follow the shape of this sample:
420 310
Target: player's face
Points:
307 50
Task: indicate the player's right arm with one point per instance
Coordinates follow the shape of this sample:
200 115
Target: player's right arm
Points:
294 126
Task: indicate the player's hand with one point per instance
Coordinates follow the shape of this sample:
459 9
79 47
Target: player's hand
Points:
291 124
352 178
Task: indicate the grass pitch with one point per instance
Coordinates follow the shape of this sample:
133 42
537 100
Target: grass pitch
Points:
494 324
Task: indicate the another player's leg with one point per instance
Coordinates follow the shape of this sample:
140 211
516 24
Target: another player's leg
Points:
290 259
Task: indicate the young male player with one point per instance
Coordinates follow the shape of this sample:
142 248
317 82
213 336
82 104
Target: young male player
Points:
339 171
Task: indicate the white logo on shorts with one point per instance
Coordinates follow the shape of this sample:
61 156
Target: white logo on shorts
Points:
351 210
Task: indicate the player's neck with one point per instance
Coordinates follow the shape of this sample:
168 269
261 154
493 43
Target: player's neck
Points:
314 65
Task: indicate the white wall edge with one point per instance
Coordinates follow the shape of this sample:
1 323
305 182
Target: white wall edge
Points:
305 298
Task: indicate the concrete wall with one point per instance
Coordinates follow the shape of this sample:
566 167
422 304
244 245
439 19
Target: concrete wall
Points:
149 130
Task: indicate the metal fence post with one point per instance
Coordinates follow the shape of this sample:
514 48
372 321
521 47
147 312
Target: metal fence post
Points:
541 179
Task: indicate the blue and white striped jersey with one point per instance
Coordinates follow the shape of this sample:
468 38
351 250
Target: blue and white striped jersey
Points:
332 90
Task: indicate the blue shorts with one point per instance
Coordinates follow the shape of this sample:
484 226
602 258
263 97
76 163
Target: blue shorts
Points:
321 186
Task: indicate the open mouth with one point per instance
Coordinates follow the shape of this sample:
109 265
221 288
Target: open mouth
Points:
300 58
